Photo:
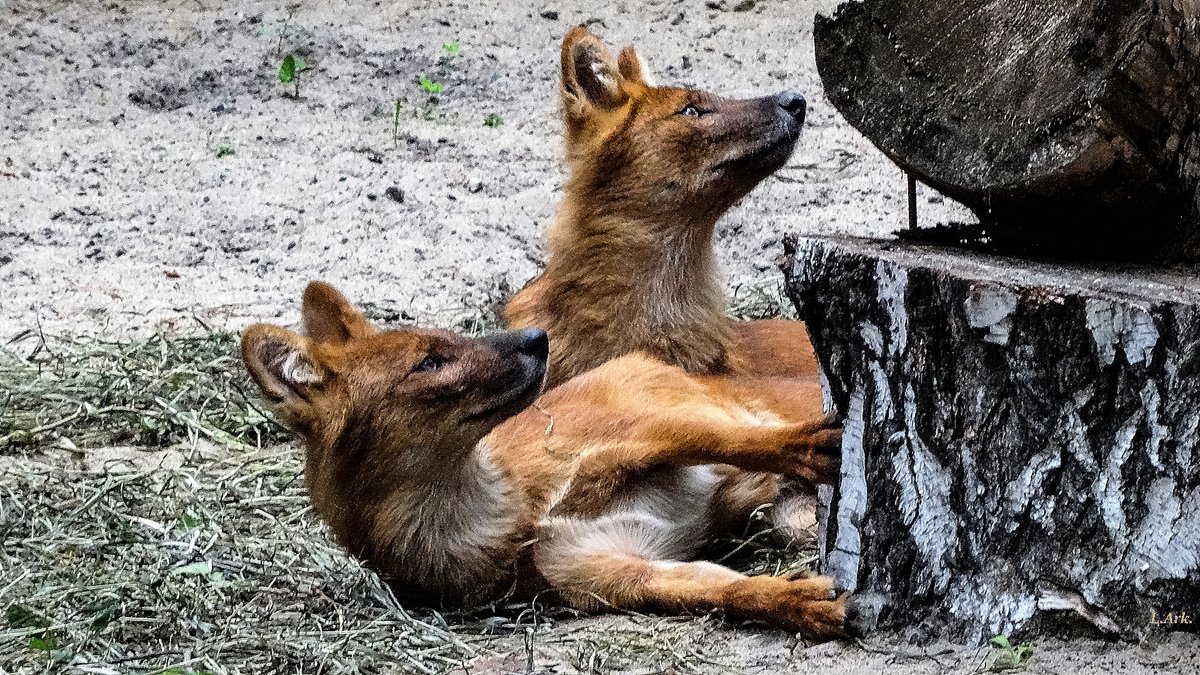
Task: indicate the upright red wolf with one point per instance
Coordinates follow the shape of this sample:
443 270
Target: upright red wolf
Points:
429 458
631 264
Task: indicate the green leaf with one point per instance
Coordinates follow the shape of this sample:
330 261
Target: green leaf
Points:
287 70
23 617
430 86
43 644
102 618
1004 661
452 48
1009 657
224 150
187 521
492 120
218 580
202 568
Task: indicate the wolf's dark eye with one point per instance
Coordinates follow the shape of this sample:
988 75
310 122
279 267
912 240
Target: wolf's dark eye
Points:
690 110
430 363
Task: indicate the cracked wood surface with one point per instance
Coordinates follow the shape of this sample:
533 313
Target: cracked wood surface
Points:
1068 124
1021 438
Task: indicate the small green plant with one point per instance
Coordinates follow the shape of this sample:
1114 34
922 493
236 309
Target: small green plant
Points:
289 71
49 645
430 86
492 120
452 48
204 570
103 614
224 150
19 616
188 521
1009 656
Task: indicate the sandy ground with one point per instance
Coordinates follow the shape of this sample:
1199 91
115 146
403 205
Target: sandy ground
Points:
118 217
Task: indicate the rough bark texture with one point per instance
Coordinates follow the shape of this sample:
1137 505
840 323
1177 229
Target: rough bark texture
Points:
1066 125
1020 437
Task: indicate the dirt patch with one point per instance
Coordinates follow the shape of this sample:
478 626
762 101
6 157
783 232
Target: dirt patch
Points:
119 217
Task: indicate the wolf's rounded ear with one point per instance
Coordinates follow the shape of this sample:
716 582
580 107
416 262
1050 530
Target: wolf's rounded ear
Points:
329 316
283 365
591 78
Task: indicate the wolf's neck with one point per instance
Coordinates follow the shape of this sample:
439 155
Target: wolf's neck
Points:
469 506
658 271
449 529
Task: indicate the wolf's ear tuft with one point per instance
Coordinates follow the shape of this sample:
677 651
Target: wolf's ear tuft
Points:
590 75
329 316
284 367
631 67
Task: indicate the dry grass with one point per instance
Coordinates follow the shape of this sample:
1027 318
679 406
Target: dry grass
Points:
220 567
192 547
152 393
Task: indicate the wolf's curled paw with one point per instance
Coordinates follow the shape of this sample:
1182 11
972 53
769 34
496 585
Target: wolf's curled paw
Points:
817 448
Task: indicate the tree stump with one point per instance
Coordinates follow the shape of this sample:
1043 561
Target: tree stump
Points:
1067 126
1021 438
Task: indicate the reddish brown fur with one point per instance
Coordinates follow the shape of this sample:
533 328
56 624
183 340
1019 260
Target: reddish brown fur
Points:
425 458
631 265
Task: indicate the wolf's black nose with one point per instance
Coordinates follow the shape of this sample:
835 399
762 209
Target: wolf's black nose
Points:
793 104
534 342
529 342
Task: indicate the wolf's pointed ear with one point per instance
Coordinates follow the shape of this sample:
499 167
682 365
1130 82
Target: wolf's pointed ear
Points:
329 316
283 365
631 67
590 76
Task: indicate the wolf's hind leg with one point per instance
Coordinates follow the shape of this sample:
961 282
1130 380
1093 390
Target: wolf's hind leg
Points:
615 580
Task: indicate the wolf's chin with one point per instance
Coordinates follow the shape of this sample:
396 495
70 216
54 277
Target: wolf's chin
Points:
764 159
514 400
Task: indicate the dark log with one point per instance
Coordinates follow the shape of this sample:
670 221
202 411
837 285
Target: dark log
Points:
1021 438
1067 126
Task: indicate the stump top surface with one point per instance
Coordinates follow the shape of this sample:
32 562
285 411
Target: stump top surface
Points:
1145 283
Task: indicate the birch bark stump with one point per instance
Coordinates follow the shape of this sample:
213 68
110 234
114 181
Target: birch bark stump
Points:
1070 126
1021 438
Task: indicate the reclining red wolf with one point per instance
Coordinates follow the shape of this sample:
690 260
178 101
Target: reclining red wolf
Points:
428 457
631 265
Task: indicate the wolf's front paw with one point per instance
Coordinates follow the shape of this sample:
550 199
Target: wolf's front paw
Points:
817 448
814 609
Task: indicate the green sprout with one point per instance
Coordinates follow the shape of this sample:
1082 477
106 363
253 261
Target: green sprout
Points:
1010 656
452 48
289 71
492 120
224 150
430 86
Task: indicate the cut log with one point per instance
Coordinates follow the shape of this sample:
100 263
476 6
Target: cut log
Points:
1067 126
1021 438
